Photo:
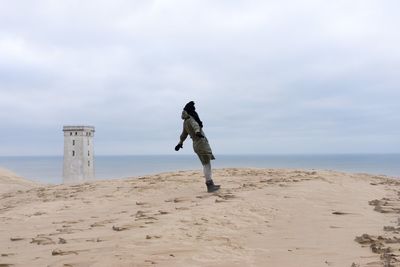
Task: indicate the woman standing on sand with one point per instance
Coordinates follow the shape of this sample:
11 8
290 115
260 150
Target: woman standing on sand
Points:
193 126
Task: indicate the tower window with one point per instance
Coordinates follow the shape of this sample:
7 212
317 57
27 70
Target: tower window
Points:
88 163
73 153
88 153
70 133
76 133
73 142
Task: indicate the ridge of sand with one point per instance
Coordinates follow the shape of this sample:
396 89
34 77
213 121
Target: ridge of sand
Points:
260 217
10 181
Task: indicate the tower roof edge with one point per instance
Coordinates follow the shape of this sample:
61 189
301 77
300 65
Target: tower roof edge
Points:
78 128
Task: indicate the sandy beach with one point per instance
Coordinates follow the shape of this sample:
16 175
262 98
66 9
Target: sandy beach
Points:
260 217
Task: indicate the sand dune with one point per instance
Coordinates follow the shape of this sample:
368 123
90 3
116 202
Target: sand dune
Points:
260 217
9 182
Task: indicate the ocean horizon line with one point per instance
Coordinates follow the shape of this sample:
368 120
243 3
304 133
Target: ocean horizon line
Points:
228 154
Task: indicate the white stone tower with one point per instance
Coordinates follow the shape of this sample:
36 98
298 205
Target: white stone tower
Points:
78 154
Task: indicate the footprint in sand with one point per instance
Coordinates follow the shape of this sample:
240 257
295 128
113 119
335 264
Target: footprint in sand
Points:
102 223
248 185
226 196
340 213
67 230
68 222
42 240
7 254
78 264
182 208
127 227
94 240
141 215
39 213
178 199
153 236
120 228
59 252
163 212
143 204
17 238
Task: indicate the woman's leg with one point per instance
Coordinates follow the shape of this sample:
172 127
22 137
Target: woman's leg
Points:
206 162
207 171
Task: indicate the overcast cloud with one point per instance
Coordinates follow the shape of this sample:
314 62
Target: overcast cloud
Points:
268 77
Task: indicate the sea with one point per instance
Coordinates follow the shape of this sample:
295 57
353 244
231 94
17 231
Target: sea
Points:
48 169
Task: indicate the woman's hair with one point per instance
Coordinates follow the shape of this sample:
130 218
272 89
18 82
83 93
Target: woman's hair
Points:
191 110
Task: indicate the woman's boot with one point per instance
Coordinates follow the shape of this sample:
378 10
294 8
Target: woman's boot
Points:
211 187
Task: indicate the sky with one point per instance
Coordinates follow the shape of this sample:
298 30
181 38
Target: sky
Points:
267 77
